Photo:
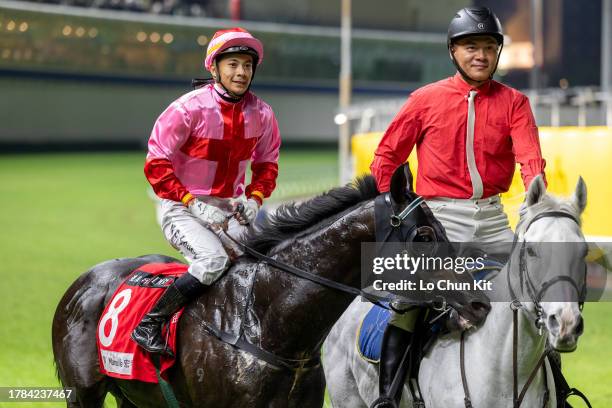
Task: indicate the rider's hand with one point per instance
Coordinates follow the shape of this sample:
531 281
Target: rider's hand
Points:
249 210
209 214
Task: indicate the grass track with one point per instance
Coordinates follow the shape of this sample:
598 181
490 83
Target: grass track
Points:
61 214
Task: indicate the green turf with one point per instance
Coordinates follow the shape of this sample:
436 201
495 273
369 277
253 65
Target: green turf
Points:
61 214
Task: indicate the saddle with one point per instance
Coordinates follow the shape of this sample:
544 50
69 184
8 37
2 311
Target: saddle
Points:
372 329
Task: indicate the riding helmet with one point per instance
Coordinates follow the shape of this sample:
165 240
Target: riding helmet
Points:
475 21
233 40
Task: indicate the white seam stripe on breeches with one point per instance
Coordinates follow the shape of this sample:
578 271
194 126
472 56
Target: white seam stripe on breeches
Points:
477 188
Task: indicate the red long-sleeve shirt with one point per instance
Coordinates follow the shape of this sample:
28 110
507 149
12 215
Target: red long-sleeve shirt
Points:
434 119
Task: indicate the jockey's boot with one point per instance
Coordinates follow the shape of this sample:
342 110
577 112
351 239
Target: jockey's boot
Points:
148 333
395 343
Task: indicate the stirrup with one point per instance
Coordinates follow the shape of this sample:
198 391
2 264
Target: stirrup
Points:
145 342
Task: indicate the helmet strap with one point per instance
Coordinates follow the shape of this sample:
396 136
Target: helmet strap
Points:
501 47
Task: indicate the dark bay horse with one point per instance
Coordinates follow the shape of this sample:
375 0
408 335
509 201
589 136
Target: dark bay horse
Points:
277 312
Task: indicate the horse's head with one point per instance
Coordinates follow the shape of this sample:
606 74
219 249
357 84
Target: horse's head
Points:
419 231
552 270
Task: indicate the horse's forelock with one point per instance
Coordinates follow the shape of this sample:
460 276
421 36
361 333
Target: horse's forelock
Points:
292 218
547 203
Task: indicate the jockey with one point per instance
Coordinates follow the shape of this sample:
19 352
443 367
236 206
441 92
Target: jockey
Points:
469 131
196 162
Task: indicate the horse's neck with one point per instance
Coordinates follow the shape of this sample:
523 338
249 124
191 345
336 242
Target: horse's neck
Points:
495 339
302 312
498 333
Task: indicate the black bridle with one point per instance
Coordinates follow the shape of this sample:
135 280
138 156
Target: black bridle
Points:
525 280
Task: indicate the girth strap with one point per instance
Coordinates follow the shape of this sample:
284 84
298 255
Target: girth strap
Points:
270 358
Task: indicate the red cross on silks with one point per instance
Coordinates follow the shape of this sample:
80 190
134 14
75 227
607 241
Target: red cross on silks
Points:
227 152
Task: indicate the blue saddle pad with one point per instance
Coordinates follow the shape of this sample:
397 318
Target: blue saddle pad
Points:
371 332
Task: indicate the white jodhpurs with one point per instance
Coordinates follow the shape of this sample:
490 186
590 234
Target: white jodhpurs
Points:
199 245
470 220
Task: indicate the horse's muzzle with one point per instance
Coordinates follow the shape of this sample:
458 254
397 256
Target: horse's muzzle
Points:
565 329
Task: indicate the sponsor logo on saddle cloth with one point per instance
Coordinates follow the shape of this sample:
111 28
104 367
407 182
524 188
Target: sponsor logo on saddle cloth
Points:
118 354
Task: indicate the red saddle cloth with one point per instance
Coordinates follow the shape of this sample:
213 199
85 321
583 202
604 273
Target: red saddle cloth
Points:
119 355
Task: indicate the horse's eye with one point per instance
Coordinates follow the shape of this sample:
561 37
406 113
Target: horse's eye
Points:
424 234
423 238
531 251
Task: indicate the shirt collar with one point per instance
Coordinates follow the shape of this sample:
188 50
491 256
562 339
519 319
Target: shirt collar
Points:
465 88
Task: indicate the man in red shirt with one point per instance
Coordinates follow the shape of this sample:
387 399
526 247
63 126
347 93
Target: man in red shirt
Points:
469 131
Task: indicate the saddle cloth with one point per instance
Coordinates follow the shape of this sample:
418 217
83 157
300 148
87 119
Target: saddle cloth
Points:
119 355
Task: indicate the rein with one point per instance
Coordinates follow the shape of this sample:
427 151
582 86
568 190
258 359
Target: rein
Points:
515 305
518 398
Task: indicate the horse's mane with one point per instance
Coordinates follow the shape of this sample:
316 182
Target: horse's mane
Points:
292 218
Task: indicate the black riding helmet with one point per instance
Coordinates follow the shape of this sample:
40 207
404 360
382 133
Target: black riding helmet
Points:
472 21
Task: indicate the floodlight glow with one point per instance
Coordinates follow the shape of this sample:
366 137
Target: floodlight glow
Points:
340 119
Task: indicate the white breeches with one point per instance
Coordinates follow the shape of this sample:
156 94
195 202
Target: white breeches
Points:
470 220
199 245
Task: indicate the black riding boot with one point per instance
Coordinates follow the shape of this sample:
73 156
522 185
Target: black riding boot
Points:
148 333
394 345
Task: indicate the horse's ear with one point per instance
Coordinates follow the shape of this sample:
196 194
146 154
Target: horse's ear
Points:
401 181
580 195
409 180
537 190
